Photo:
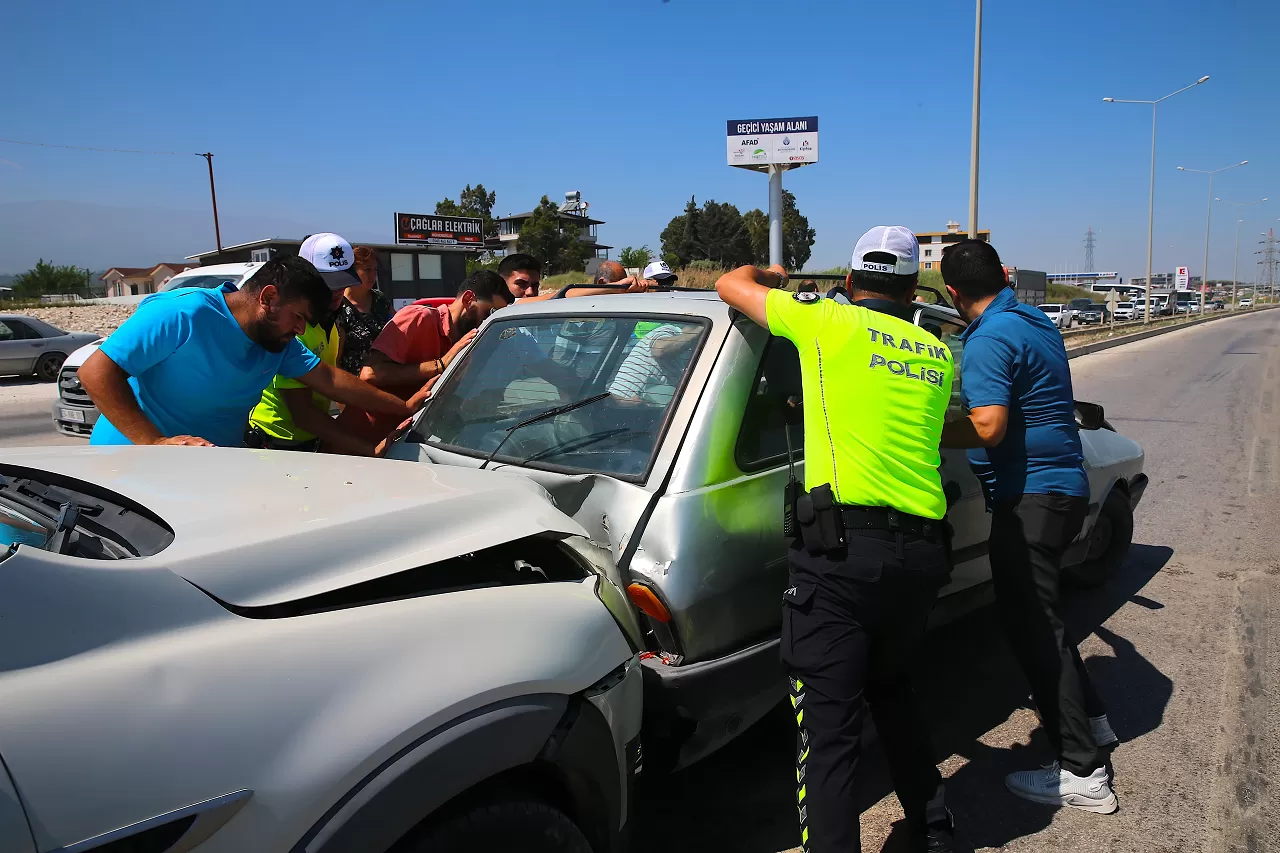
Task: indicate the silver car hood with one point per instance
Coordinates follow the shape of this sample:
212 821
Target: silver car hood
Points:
261 527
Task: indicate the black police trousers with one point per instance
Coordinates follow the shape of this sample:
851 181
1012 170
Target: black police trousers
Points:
853 622
1029 535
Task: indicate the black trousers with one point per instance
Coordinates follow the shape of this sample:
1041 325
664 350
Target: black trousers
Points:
852 625
1029 535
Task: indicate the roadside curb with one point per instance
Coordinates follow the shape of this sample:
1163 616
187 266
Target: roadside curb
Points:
1099 346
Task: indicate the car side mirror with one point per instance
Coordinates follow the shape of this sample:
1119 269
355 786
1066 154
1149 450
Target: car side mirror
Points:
1088 415
795 410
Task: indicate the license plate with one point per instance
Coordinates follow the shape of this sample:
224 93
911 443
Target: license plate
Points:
72 415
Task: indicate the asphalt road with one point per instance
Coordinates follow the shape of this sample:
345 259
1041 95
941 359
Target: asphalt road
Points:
25 417
1184 645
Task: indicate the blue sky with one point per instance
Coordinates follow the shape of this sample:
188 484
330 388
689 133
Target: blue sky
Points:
332 116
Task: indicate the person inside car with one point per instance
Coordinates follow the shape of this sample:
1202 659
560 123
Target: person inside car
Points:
418 344
190 363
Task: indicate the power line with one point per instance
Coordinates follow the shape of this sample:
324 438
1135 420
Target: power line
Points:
104 150
1088 251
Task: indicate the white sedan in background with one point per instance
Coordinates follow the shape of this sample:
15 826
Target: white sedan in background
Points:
1059 314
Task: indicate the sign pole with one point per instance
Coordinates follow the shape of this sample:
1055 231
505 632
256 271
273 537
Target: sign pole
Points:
775 214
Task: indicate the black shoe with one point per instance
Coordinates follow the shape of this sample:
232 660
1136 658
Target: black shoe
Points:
939 837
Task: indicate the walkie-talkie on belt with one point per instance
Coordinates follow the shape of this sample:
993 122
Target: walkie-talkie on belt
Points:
793 490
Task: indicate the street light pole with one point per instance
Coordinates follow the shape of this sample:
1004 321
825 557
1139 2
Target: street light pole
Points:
1151 208
213 194
1235 265
1204 283
973 140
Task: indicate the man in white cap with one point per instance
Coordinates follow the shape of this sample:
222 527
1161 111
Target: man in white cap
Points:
661 273
290 416
871 551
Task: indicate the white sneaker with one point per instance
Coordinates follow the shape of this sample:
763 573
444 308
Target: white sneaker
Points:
1102 734
1054 786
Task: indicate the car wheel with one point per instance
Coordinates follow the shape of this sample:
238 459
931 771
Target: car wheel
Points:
1109 542
48 366
524 825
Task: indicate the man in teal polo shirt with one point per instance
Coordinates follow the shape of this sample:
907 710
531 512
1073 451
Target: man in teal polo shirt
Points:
1025 448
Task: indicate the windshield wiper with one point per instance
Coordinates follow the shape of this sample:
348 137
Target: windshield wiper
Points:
539 418
579 443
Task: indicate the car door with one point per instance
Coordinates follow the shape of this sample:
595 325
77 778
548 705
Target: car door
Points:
30 345
970 522
20 345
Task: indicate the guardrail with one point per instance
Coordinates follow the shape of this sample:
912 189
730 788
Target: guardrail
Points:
1153 330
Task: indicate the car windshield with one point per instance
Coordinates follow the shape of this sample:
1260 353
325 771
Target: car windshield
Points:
202 281
520 368
1051 309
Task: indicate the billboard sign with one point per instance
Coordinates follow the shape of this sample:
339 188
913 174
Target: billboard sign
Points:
760 142
1183 278
421 229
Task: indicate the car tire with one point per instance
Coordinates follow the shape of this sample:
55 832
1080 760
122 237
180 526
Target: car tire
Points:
48 366
1109 542
525 825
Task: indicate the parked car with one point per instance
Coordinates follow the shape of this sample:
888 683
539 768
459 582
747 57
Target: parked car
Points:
681 477
231 650
1092 315
1126 311
33 347
1060 316
73 412
1075 306
1246 303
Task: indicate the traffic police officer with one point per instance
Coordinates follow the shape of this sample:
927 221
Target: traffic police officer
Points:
871 554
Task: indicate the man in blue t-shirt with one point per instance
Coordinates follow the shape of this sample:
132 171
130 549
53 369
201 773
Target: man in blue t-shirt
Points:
1025 448
191 363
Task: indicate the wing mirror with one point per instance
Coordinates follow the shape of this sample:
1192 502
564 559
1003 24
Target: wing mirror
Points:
1089 415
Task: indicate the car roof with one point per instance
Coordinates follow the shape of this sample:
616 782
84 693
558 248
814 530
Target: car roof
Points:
693 303
220 269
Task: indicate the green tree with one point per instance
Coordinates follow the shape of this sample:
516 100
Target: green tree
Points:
757 225
797 236
723 235
475 202
635 258
46 277
682 239
554 240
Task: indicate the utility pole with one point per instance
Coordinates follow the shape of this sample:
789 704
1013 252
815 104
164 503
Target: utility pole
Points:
973 140
213 195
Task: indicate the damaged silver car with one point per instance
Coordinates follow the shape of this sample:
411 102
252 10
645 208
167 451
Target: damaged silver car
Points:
661 422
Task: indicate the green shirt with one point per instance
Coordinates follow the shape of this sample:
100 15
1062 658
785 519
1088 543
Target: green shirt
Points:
876 390
272 414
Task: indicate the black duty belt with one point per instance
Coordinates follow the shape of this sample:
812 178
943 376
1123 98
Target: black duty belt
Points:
887 518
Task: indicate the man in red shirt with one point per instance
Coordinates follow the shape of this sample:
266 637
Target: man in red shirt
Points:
419 343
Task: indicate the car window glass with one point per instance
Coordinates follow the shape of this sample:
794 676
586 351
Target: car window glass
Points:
519 368
6 334
21 331
949 333
762 440
201 281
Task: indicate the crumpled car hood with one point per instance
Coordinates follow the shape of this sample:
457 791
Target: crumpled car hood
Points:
260 527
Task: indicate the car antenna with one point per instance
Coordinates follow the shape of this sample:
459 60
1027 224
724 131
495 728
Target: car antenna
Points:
549 413
792 491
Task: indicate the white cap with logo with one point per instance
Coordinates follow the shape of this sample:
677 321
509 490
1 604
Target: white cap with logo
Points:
658 270
333 258
895 240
